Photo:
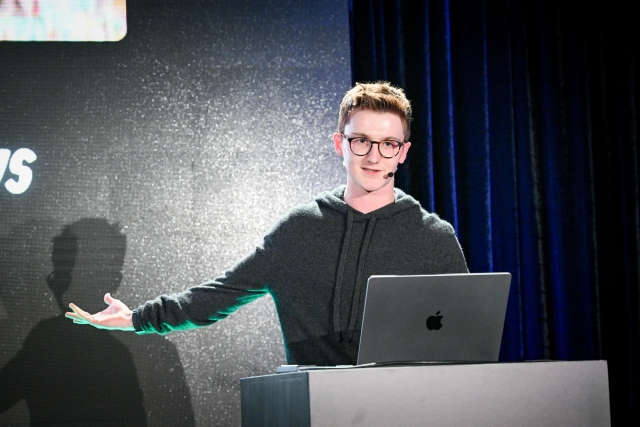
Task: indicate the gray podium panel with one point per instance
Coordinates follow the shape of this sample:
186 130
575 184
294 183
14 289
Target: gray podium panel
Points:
567 394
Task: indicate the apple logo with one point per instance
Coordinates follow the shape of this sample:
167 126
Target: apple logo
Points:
434 322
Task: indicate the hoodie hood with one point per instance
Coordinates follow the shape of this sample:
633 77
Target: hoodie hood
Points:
335 200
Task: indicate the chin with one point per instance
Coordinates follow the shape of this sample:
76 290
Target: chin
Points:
375 188
370 185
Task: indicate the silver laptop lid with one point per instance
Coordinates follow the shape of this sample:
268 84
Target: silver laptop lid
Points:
446 317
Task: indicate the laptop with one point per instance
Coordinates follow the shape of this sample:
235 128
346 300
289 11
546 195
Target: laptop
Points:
434 318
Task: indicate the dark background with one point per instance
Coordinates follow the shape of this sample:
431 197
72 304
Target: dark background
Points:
162 160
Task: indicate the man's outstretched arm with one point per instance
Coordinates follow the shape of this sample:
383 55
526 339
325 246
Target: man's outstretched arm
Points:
116 317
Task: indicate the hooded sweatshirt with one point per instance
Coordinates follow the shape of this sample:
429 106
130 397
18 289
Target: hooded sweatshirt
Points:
315 264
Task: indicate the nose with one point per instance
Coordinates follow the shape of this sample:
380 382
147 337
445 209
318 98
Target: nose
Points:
374 154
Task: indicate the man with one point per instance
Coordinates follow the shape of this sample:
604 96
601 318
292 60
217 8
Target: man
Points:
316 261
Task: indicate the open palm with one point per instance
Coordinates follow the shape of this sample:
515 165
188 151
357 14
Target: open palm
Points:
116 317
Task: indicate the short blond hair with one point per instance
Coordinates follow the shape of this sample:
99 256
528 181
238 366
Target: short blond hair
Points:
379 96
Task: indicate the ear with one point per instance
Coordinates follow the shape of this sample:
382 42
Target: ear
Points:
337 143
403 154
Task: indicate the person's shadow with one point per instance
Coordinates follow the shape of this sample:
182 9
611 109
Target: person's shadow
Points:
78 375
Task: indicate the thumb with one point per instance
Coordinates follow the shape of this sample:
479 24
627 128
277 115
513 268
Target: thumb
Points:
108 299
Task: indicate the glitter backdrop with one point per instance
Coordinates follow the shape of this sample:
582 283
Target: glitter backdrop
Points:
176 148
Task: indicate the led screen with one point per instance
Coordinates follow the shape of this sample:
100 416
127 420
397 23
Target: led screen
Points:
63 20
146 166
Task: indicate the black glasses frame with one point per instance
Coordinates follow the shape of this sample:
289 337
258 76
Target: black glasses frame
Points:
371 146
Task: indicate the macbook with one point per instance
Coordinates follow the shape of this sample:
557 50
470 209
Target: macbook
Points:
434 318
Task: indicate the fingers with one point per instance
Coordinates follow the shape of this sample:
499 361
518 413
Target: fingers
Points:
79 314
75 318
79 321
108 299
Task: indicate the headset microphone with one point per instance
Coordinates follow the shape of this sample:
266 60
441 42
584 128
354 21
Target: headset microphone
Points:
390 174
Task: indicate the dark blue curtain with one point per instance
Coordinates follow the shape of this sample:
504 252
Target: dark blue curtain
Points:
525 139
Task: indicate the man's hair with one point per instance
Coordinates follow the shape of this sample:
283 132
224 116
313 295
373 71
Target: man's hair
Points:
380 96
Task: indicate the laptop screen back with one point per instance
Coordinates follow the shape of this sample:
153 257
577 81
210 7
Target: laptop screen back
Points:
448 317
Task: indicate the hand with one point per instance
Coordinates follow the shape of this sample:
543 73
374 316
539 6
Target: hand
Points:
117 316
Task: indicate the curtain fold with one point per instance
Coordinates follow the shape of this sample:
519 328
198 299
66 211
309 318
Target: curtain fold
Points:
525 140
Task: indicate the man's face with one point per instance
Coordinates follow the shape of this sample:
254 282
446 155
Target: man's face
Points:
369 173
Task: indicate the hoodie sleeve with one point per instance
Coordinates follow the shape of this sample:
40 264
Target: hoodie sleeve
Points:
452 257
441 246
213 300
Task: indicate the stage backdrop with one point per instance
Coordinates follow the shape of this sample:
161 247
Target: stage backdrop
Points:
146 166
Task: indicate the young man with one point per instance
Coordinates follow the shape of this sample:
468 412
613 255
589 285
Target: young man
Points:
316 261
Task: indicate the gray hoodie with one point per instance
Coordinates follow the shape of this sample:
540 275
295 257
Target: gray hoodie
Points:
315 263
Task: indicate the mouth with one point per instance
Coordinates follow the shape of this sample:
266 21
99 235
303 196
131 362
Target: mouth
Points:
372 172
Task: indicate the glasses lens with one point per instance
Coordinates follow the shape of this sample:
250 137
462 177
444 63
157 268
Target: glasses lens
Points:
360 146
389 148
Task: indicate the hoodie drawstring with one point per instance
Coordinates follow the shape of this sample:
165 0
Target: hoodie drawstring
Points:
355 302
338 288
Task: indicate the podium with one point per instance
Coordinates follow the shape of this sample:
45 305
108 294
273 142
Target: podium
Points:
545 393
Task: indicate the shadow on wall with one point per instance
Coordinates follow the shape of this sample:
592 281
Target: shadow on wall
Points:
69 373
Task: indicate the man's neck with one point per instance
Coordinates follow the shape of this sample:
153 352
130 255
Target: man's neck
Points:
365 201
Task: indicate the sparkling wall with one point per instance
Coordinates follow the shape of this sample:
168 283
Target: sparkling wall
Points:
161 160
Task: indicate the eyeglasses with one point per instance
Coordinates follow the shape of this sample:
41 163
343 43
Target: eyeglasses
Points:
361 146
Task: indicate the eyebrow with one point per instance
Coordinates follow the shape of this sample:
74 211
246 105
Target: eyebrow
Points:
386 138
